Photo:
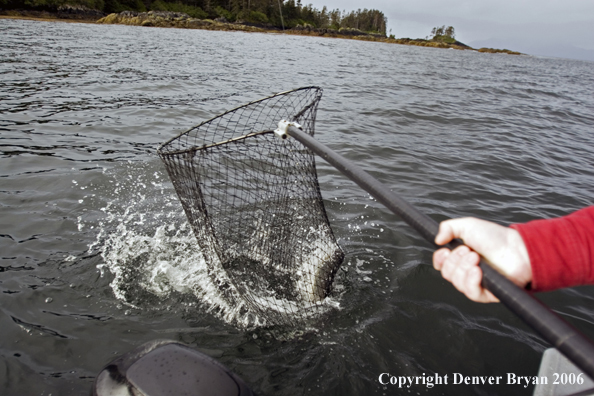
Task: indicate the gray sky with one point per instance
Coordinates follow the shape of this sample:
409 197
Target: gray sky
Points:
561 28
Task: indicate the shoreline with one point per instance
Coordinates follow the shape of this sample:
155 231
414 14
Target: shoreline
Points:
183 21
43 19
44 16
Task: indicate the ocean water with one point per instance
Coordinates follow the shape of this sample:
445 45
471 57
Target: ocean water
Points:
96 256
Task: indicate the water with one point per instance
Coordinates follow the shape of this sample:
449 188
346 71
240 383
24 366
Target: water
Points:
96 255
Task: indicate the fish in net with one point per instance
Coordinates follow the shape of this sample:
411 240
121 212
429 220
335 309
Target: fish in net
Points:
254 204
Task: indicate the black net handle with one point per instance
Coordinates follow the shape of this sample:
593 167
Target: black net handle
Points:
568 340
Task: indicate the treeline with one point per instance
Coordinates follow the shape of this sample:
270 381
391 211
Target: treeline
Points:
289 14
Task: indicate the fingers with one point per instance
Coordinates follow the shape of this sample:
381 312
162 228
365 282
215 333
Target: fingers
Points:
457 265
439 256
460 267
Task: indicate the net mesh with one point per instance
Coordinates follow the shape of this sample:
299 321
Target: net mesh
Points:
255 206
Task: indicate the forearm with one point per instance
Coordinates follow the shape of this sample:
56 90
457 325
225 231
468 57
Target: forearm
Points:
561 251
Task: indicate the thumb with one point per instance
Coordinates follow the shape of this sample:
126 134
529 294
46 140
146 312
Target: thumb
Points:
450 229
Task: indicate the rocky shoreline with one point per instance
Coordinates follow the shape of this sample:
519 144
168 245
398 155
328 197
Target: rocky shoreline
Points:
181 20
184 21
168 19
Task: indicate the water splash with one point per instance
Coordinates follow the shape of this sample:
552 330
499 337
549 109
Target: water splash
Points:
150 250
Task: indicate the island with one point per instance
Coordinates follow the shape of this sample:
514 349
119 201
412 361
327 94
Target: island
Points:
265 16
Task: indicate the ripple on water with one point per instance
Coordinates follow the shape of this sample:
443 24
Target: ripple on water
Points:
457 133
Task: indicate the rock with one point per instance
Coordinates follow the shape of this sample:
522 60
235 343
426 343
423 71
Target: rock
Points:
110 19
128 14
351 32
68 11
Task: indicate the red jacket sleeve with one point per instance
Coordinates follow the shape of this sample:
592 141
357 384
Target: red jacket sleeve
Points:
561 250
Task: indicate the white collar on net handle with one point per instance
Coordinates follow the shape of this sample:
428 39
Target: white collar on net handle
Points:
283 127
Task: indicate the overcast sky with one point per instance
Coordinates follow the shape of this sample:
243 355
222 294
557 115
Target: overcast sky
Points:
561 28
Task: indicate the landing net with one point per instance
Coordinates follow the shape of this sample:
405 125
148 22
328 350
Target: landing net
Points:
255 206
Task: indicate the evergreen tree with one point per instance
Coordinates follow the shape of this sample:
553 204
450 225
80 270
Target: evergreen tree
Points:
265 12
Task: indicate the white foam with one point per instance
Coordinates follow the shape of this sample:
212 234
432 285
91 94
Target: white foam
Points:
145 229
